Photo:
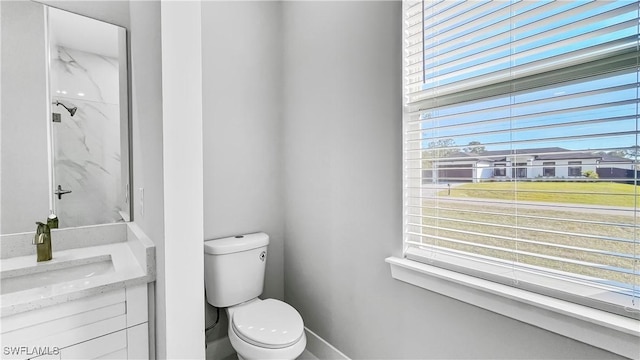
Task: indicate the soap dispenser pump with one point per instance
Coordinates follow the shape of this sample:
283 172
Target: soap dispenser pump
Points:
52 221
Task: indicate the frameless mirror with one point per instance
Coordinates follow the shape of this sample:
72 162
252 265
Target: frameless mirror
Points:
64 128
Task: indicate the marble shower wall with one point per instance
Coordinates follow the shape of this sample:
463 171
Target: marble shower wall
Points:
87 154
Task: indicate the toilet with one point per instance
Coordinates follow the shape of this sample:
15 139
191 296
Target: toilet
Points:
234 278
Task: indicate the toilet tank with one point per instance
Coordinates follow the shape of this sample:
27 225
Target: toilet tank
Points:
234 268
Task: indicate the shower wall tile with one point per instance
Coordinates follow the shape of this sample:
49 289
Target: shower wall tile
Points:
87 145
81 75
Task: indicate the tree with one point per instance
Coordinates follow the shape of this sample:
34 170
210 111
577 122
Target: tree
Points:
474 147
439 149
628 153
590 174
441 144
632 152
436 150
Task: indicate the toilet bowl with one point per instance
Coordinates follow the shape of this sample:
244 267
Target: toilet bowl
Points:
266 329
234 278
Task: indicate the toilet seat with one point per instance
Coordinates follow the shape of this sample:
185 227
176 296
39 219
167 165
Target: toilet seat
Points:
269 323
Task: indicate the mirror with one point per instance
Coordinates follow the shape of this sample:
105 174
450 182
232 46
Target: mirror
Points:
64 119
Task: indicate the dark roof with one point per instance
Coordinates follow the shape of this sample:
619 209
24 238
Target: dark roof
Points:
569 155
606 158
526 151
459 156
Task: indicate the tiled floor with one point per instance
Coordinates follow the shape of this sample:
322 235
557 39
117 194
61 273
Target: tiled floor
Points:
304 356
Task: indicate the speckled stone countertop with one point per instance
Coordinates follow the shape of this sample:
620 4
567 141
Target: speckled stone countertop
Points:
130 251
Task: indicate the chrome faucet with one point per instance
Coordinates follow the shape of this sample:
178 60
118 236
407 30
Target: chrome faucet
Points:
42 241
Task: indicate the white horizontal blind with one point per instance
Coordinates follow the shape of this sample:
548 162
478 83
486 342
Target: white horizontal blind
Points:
521 144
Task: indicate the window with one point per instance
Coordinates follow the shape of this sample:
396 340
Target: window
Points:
575 170
541 84
520 171
549 169
500 169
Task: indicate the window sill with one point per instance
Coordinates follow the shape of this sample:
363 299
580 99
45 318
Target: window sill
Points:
611 332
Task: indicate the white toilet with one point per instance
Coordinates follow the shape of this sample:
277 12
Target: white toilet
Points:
234 278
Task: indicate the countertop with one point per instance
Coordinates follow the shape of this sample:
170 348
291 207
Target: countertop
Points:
131 252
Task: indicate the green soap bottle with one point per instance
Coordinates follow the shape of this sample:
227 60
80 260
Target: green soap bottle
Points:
42 240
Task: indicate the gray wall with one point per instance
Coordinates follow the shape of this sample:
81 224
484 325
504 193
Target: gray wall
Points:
24 176
342 156
112 11
241 51
146 135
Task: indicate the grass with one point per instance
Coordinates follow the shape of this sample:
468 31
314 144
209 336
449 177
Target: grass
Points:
503 225
587 193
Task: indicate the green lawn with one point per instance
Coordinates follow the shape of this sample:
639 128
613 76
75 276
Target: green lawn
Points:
491 224
591 193
467 221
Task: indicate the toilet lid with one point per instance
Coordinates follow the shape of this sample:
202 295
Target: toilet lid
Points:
269 324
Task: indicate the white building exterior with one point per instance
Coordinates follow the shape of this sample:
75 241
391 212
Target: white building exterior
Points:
527 164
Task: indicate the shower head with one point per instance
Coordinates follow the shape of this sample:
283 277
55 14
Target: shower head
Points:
71 111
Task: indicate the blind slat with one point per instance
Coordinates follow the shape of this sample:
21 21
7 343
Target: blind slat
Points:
541 218
537 255
559 29
590 236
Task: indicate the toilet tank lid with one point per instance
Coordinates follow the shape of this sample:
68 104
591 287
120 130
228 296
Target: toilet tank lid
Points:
235 244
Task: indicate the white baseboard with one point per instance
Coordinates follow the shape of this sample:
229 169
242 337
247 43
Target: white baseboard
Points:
321 349
317 346
219 349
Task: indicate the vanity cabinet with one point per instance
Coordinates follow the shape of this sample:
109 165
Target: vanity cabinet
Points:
112 325
111 346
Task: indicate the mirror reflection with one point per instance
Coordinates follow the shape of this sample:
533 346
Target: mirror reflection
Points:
65 126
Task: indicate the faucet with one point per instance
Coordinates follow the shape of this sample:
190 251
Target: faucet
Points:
42 241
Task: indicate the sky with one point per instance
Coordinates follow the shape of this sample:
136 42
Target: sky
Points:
578 115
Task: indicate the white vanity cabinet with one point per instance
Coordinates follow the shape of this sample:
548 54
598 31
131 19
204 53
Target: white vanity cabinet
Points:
111 325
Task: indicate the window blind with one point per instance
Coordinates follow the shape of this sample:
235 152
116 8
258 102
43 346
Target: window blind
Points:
521 144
